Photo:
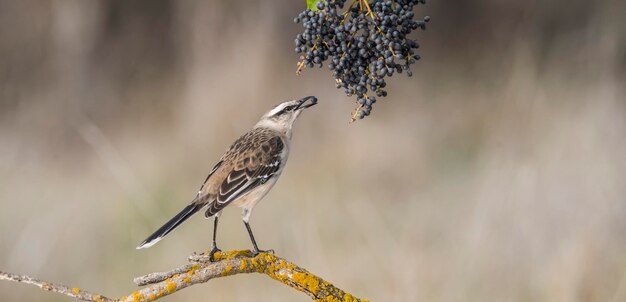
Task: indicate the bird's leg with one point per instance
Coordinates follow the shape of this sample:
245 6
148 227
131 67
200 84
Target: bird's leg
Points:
246 218
214 248
256 249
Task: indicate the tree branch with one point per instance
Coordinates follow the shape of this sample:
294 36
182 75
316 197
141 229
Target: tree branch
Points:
225 264
53 287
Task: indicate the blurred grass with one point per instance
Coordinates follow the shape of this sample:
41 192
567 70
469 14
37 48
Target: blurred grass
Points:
494 174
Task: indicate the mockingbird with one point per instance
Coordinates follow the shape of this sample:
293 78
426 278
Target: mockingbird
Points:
245 173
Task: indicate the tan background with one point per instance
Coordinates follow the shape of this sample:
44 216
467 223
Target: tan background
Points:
496 173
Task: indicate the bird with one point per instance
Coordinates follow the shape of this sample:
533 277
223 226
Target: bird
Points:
244 174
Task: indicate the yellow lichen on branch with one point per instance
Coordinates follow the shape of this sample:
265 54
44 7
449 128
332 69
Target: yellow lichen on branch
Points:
223 264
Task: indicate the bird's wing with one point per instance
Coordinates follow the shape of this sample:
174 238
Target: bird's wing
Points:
253 167
219 164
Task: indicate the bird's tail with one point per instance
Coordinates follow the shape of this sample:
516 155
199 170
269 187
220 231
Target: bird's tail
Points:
187 212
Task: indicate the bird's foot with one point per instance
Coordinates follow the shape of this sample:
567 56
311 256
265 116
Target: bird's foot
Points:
256 252
214 250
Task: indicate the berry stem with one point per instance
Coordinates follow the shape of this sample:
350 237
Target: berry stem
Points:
301 67
356 113
369 10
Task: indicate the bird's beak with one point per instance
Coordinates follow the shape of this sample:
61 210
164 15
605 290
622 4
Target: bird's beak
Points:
306 102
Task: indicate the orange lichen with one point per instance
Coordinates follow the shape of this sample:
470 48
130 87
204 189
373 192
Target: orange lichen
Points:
231 254
227 270
268 257
348 298
170 286
187 280
306 280
137 296
98 298
193 269
76 290
331 298
152 297
243 265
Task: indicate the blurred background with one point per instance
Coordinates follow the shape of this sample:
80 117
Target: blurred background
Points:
496 173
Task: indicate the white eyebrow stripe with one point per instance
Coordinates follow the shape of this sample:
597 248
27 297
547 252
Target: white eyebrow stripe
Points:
277 109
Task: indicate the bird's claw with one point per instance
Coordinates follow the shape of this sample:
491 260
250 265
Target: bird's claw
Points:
257 252
214 250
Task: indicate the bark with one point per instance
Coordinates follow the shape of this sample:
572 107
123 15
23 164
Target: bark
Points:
161 284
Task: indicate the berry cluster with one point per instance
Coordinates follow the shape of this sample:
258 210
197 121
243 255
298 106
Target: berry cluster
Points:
364 44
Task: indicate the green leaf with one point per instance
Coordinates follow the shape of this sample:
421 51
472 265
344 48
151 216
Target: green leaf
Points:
312 4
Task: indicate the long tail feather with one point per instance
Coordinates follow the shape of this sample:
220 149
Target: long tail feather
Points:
187 212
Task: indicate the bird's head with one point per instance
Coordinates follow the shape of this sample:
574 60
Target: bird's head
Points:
283 115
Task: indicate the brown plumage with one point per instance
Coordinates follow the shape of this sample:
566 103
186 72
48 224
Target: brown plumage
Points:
251 160
245 173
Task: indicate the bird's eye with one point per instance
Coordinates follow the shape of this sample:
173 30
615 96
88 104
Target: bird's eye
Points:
286 109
